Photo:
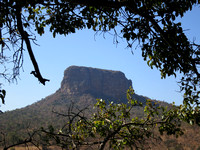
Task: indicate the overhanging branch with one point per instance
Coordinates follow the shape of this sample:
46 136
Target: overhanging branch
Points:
24 36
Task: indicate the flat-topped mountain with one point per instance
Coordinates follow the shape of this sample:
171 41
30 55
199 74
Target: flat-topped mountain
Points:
81 86
97 82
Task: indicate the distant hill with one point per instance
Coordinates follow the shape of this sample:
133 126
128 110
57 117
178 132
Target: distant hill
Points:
80 86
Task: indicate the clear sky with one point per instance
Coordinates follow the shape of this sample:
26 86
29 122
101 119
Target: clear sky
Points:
83 48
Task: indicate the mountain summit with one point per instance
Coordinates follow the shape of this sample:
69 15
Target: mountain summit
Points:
96 82
83 85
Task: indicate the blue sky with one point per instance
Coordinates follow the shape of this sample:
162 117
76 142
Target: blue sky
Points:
83 48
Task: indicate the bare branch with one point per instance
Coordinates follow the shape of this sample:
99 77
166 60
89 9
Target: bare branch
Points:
25 35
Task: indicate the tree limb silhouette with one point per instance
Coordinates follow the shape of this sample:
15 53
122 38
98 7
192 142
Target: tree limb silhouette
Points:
24 36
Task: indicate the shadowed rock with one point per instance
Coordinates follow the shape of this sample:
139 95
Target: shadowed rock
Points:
97 82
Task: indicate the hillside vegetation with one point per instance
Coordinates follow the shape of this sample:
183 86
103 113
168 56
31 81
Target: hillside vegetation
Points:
80 88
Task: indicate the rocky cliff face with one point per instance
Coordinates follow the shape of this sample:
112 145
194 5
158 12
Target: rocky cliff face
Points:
97 82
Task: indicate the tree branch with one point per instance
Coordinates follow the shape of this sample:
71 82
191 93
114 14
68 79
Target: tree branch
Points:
20 143
26 141
24 36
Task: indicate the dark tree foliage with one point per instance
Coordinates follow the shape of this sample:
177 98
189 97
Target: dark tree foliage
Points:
152 23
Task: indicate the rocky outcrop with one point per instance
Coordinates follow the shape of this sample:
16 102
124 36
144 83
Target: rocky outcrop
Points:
97 82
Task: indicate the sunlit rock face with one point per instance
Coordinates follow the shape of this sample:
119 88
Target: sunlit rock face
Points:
97 82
